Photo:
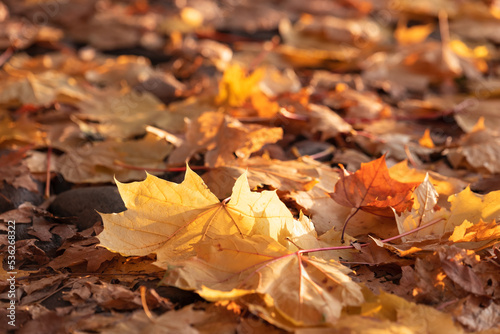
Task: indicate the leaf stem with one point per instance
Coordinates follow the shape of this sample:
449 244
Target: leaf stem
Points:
345 224
47 181
432 222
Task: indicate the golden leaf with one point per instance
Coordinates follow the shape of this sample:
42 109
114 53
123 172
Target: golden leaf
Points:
306 291
168 218
236 86
467 205
482 231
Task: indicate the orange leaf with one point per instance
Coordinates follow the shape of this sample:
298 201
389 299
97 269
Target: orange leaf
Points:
469 232
372 189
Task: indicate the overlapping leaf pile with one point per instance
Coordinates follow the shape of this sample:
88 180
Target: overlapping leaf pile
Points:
245 248
346 157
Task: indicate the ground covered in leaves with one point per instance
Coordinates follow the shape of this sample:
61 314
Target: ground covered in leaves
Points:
313 166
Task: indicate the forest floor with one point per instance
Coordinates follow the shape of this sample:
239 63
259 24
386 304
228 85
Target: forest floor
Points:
313 166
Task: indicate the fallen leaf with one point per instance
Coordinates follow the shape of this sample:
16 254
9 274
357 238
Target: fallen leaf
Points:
326 121
444 185
481 231
83 252
323 210
13 171
373 190
236 86
479 149
223 137
422 212
467 205
412 35
286 176
124 113
426 140
192 319
169 219
307 291
18 133
25 87
110 160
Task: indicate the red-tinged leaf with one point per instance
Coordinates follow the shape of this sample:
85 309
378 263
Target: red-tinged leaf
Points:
372 189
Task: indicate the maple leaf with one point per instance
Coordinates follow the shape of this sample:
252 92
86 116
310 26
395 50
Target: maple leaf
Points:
479 149
481 231
445 186
467 205
25 87
223 137
318 204
15 172
306 291
168 218
100 161
372 189
286 176
20 132
236 86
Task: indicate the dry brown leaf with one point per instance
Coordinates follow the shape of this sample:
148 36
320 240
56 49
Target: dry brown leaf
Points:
82 252
13 171
325 121
479 149
323 210
24 87
192 319
359 106
286 176
124 113
23 131
104 161
223 137
313 42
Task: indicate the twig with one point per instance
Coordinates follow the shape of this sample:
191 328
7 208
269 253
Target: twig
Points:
47 182
6 55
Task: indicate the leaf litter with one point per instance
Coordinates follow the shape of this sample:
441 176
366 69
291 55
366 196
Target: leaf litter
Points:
339 166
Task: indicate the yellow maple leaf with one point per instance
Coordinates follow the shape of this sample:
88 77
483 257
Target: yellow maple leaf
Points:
236 86
167 218
467 205
304 290
482 231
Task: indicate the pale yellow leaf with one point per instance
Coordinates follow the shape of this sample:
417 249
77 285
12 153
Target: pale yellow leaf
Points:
306 291
166 218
